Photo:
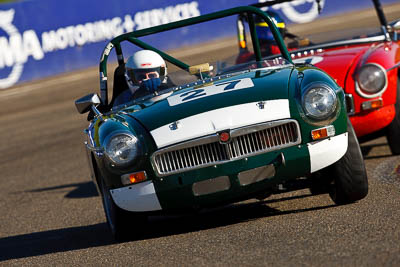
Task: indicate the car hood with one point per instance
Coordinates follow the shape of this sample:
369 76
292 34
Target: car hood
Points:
335 61
223 104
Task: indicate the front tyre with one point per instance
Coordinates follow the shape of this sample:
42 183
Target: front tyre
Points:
349 176
124 225
393 130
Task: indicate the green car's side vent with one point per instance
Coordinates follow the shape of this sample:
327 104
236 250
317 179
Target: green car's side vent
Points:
244 142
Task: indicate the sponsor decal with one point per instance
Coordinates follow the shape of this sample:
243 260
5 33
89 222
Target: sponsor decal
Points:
308 12
15 50
16 47
209 90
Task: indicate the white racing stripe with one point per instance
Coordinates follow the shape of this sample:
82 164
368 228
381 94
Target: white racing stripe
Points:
327 152
221 119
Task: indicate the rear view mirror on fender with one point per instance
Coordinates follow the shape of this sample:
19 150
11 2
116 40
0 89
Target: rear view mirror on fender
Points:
85 103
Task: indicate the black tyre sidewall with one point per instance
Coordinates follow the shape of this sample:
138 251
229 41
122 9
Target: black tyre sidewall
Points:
393 130
350 181
124 225
109 207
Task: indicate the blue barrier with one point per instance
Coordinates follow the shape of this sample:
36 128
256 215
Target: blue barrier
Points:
39 38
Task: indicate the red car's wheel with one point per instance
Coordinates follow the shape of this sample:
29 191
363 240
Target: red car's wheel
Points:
393 130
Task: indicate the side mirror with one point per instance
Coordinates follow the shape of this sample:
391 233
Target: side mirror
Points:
85 103
201 68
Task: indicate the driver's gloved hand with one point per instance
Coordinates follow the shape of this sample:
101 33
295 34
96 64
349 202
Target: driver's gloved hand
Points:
151 84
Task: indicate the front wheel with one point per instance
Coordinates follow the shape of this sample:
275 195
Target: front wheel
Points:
393 130
349 176
124 225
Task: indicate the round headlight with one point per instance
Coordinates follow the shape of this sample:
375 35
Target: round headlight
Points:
122 148
319 101
371 80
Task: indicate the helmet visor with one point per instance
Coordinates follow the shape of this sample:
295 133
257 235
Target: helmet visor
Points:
139 75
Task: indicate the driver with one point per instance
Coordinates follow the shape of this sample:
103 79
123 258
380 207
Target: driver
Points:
268 45
145 73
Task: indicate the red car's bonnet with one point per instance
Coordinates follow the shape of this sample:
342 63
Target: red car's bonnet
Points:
338 61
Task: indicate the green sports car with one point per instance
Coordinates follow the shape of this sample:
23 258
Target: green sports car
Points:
222 133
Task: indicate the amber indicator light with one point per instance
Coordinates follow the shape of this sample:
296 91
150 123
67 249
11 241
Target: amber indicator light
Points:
377 103
373 104
133 178
323 132
137 177
318 134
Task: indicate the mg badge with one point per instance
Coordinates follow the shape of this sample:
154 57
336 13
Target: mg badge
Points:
174 126
261 104
224 137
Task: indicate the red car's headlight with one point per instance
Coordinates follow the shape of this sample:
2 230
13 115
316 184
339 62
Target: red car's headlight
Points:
371 80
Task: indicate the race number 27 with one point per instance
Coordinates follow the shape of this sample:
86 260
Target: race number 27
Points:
210 90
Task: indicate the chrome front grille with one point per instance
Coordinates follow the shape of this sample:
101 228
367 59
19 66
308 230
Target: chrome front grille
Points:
245 141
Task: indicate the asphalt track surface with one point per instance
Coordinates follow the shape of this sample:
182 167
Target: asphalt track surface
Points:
51 214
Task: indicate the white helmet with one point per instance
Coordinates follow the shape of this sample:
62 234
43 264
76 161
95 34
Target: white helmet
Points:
144 64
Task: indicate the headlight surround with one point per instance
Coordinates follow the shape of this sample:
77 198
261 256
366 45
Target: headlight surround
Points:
319 101
371 80
121 148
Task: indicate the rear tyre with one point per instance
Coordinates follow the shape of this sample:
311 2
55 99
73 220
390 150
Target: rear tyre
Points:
349 176
124 225
393 130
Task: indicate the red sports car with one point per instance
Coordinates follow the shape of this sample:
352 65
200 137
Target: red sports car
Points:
366 66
